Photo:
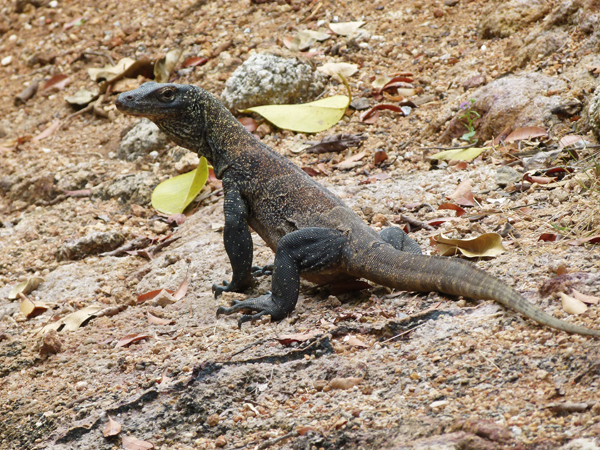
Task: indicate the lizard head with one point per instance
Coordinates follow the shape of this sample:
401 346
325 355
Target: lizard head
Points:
158 102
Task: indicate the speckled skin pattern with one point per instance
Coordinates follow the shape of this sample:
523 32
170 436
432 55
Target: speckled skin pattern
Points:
313 233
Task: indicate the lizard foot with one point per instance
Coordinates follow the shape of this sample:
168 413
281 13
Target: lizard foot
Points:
261 306
265 270
219 289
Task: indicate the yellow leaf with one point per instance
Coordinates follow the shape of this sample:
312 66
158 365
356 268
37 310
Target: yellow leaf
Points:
175 194
486 245
31 308
464 154
165 65
308 117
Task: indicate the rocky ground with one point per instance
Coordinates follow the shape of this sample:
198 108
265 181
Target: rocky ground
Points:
366 369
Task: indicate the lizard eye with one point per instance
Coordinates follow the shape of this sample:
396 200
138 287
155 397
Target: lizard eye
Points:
166 94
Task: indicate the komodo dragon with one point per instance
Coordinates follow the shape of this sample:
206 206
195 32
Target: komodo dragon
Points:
312 232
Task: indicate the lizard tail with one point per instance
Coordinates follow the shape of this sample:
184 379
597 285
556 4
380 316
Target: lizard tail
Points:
389 267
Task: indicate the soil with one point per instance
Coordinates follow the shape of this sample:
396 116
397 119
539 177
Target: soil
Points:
363 369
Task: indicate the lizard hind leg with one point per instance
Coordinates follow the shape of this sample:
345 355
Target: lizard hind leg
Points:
304 250
398 239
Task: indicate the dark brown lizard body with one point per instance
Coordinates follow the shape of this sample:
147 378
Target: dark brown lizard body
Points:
313 233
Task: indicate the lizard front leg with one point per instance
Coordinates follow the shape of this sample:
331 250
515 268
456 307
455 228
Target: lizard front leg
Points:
305 250
238 243
398 239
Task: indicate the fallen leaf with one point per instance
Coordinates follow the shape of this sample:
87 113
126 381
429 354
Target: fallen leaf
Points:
464 154
125 84
308 117
131 443
30 308
178 219
346 28
463 195
304 430
25 287
150 295
164 299
525 133
572 305
453 207
593 68
538 179
287 339
165 65
337 143
334 69
48 131
304 39
548 237
586 240
82 97
175 194
74 320
194 61
440 220
486 245
568 140
153 320
364 117
344 383
590 299
181 290
379 157
310 171
112 428
126 67
378 177
56 82
130 338
349 163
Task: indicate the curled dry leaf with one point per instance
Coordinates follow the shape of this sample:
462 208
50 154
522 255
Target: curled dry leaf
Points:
379 157
589 299
370 117
333 69
346 28
524 133
25 287
30 308
165 65
463 195
57 82
345 383
112 428
130 338
572 305
48 131
153 320
74 320
350 162
568 140
486 245
548 237
81 98
458 209
464 154
304 39
586 240
287 339
194 61
131 443
181 290
337 143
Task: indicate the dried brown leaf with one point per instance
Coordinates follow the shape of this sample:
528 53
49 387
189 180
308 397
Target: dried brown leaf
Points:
589 299
287 339
525 133
130 338
131 443
112 428
157 320
572 305
485 245
345 383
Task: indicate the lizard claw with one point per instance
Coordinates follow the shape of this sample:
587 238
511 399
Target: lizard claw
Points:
265 270
219 289
261 306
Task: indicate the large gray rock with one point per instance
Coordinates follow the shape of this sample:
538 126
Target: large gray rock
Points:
503 19
135 188
266 79
142 139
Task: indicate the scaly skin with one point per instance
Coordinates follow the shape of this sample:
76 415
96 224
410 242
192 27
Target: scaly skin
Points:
313 233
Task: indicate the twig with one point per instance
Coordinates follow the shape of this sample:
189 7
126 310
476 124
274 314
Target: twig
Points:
271 442
448 148
105 55
404 332
416 223
260 342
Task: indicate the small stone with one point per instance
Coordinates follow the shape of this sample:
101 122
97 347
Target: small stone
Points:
360 103
94 243
212 420
451 2
6 60
506 175
263 130
438 13
160 227
187 163
51 344
221 441
142 139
